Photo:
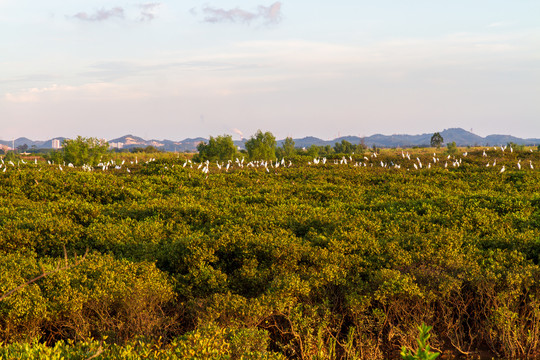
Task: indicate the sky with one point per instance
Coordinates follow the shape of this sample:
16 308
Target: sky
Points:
173 69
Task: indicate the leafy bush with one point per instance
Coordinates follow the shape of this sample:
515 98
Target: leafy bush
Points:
424 351
82 150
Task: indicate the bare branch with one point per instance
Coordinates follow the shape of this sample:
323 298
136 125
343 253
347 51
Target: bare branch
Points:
98 352
58 268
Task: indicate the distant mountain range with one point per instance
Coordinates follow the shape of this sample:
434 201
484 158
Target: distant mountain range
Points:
459 136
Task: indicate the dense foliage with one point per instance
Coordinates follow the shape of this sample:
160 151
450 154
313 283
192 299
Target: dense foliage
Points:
287 149
83 150
436 140
261 146
333 259
218 148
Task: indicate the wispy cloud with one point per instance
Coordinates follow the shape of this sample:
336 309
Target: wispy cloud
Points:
145 12
101 15
268 14
149 11
272 13
92 91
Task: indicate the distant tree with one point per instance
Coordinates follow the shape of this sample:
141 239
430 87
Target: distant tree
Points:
451 148
326 150
55 156
515 146
288 147
83 150
151 149
314 151
22 148
344 147
262 146
147 149
11 156
363 143
218 148
360 148
436 140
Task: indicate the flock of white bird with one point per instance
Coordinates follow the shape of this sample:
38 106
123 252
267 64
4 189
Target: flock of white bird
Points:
267 165
372 161
104 166
450 160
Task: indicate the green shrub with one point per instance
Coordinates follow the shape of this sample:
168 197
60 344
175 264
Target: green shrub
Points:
424 351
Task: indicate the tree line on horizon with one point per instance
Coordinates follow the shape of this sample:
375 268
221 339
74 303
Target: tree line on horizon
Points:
260 146
263 146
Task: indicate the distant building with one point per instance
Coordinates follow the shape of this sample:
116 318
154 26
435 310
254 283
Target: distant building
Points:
56 144
116 145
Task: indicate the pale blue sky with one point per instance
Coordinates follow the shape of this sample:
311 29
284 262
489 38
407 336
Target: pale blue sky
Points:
176 69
